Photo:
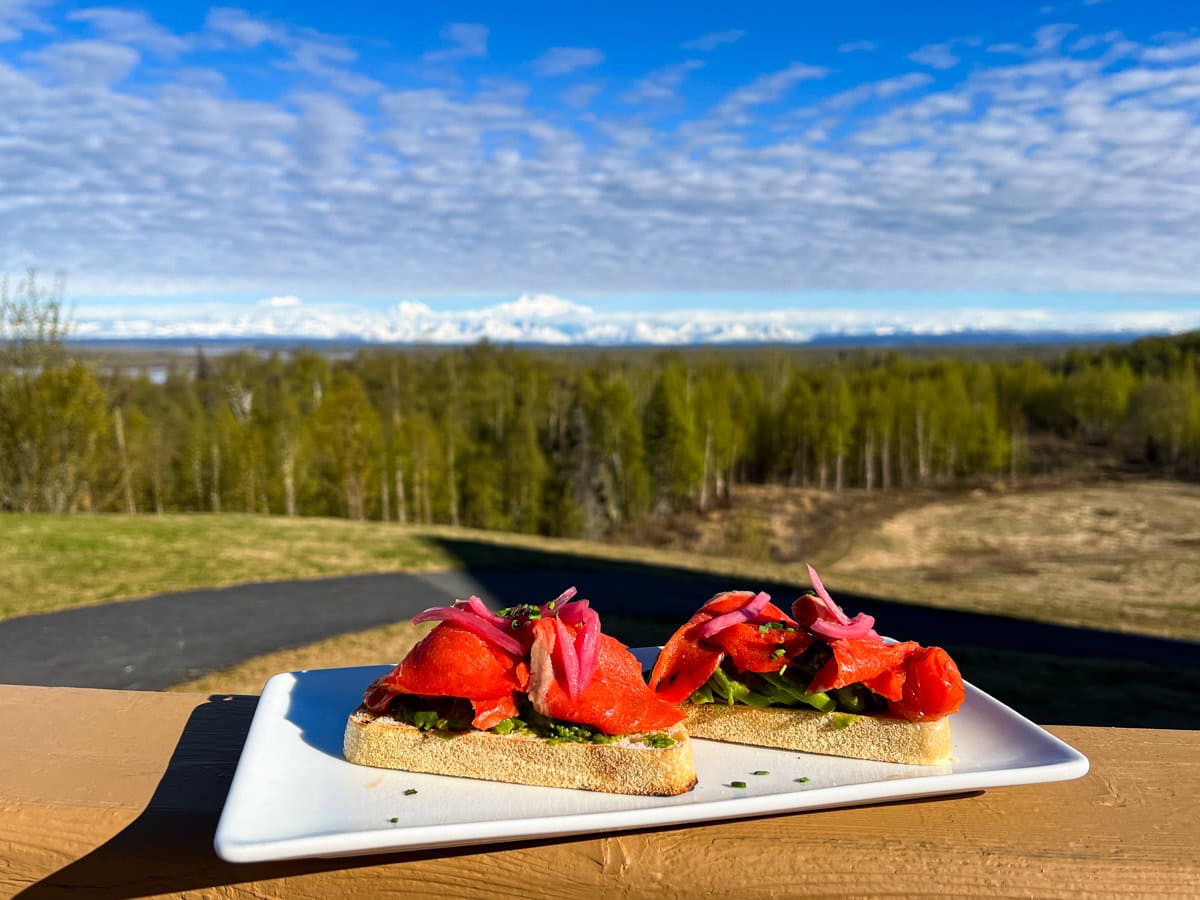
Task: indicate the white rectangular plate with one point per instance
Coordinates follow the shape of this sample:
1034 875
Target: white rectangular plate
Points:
294 796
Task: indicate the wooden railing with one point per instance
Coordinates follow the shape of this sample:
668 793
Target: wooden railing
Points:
117 794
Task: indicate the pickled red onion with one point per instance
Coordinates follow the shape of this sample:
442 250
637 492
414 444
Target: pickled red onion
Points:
572 613
564 651
475 605
549 608
470 621
860 626
587 647
745 613
585 641
824 595
824 618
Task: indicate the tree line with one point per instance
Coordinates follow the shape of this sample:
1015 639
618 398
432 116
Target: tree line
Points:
558 443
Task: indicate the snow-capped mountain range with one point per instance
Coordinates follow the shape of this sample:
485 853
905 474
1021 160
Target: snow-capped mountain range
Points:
547 319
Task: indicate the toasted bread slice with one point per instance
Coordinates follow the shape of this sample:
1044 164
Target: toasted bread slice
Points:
625 766
835 734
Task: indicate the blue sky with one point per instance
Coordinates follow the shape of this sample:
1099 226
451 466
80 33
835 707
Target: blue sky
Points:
697 172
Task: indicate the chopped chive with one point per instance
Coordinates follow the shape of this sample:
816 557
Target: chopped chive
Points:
842 720
804 780
408 793
762 772
737 784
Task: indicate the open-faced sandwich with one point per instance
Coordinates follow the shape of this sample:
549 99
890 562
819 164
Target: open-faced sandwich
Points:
530 695
816 681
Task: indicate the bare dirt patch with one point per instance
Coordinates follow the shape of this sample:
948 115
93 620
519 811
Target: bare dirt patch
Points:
1115 556
778 524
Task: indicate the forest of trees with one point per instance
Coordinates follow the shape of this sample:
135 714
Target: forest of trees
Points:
552 442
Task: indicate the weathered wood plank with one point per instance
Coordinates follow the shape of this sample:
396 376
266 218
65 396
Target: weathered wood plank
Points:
110 802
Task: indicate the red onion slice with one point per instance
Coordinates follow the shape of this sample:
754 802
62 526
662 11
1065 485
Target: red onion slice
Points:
824 595
573 613
564 650
745 613
587 647
475 605
550 608
468 621
824 618
860 626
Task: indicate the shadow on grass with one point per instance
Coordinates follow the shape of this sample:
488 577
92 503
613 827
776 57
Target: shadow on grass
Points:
1052 674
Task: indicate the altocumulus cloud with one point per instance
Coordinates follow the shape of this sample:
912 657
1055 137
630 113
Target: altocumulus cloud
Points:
129 162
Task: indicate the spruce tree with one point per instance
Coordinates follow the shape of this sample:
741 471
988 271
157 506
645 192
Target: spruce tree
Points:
674 456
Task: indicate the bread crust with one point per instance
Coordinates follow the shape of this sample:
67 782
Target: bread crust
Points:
626 766
864 737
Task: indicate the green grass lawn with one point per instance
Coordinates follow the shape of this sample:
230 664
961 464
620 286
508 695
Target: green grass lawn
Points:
55 562
58 562
1121 558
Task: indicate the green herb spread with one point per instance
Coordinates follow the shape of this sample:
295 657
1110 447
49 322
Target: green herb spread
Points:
448 717
787 687
659 741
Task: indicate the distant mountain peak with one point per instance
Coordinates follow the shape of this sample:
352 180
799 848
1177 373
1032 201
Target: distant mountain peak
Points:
552 320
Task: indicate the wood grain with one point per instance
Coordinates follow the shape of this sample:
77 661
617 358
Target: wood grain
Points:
121 796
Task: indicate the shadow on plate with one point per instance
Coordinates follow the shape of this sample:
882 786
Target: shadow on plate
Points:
321 700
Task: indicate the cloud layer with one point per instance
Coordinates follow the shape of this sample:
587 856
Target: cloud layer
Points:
131 158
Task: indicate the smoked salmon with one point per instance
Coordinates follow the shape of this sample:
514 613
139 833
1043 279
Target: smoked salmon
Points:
551 658
741 648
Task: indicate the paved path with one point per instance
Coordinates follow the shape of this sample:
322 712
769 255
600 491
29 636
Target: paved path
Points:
153 643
